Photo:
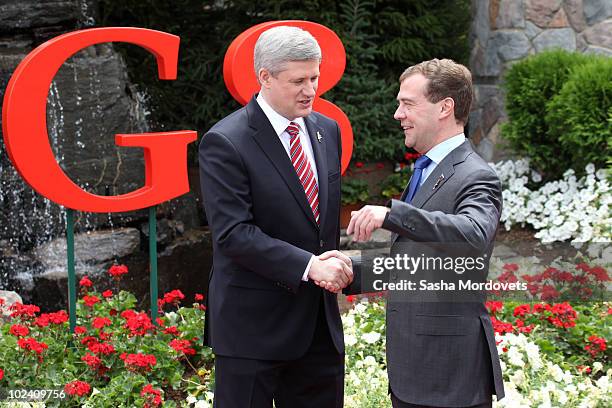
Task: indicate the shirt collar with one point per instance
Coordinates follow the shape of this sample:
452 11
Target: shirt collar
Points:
278 121
441 150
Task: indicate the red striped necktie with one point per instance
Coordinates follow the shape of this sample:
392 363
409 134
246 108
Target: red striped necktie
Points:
303 169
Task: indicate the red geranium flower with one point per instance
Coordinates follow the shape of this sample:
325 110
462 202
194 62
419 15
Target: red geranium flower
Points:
29 344
182 346
139 361
501 327
138 323
596 345
172 330
151 395
359 164
199 297
350 298
104 349
85 282
21 310
107 293
494 306
100 322
90 300
80 330
19 330
79 388
117 271
58 317
92 361
1 374
600 274
522 310
174 296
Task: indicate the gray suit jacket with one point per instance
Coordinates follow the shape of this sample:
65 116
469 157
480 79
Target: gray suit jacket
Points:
443 353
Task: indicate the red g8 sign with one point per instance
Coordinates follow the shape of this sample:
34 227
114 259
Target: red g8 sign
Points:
24 121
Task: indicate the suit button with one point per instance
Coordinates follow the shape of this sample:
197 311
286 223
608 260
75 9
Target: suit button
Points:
321 243
411 228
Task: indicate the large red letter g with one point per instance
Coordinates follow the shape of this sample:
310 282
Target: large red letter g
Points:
25 126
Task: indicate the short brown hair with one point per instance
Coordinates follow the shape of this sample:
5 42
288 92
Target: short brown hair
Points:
446 79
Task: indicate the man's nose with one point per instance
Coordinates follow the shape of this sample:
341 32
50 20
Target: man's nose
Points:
398 115
310 89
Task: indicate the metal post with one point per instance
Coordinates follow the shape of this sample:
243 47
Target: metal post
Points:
153 262
71 272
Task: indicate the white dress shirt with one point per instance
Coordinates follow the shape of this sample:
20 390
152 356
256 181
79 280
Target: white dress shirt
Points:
280 123
439 152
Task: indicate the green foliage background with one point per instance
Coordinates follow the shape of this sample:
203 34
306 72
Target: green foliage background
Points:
559 111
381 38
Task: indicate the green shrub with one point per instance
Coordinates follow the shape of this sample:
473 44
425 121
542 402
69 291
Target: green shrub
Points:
580 116
530 85
381 39
354 191
395 183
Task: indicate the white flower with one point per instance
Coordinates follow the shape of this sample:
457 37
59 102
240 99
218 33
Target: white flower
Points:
370 337
350 340
515 357
191 399
597 366
590 168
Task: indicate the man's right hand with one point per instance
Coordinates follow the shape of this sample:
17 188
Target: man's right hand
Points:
332 271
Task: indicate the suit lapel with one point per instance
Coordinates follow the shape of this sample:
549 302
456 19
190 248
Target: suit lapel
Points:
320 155
441 174
269 142
434 181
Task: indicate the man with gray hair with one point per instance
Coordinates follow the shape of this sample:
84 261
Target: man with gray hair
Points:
270 178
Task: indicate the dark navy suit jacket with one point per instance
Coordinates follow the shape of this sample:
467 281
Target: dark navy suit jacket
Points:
264 234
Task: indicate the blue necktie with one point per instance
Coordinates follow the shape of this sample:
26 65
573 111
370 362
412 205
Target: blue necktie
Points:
420 164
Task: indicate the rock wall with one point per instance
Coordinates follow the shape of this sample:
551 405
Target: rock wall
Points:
90 100
505 31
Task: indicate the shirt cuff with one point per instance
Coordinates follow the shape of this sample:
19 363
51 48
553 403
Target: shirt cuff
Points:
305 276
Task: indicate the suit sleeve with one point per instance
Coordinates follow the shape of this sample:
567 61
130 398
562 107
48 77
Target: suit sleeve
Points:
477 212
227 202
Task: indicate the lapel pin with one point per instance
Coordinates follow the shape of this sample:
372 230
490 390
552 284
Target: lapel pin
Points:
438 181
319 137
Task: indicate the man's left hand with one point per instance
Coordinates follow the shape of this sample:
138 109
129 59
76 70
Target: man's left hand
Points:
365 221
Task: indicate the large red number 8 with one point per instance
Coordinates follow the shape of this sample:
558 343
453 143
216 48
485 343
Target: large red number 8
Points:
239 57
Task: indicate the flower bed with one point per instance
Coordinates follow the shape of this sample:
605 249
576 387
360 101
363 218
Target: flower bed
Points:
555 354
549 354
116 355
571 208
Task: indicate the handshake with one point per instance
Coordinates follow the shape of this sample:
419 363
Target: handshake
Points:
332 270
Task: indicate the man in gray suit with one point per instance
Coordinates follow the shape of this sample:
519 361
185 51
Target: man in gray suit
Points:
439 354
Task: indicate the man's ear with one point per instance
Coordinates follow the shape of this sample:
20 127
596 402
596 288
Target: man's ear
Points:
447 108
264 78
